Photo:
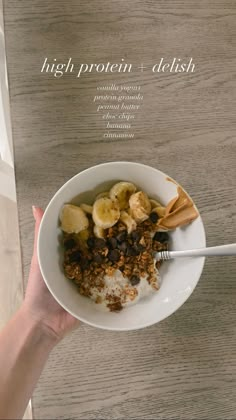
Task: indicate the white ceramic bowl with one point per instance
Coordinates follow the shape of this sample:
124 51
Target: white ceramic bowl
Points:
179 277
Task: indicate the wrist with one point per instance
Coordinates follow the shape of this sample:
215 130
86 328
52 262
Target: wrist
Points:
36 328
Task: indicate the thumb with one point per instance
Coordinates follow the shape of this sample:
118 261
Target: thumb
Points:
38 214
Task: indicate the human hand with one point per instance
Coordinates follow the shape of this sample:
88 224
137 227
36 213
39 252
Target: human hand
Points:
39 304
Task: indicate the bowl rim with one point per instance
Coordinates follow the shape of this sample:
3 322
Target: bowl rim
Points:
64 306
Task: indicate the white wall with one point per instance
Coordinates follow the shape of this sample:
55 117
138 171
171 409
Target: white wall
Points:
7 181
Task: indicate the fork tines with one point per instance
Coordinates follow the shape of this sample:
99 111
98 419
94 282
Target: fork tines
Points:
164 255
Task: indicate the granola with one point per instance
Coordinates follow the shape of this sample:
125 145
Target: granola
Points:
109 246
90 263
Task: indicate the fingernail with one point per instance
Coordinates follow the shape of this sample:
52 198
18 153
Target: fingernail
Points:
34 211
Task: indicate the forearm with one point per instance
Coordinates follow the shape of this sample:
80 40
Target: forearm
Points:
24 350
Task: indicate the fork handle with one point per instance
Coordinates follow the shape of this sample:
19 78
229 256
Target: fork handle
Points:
203 252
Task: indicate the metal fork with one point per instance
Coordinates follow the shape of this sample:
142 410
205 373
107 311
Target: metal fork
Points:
222 250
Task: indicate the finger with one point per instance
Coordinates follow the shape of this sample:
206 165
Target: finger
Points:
38 214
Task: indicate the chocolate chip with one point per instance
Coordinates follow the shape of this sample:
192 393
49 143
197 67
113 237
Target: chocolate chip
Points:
121 236
69 243
123 246
139 248
131 252
136 235
75 256
84 263
112 243
153 217
161 237
98 258
90 242
114 255
134 280
99 243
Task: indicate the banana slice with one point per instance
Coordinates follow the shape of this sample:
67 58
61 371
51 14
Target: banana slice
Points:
81 239
84 235
99 232
122 192
106 212
154 203
161 211
87 208
128 221
73 219
140 206
102 194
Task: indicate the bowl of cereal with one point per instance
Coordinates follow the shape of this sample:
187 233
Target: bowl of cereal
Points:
97 243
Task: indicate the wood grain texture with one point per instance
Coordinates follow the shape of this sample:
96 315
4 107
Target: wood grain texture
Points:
184 367
11 287
11 283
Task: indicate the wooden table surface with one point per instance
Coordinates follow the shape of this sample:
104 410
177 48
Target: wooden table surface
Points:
184 367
